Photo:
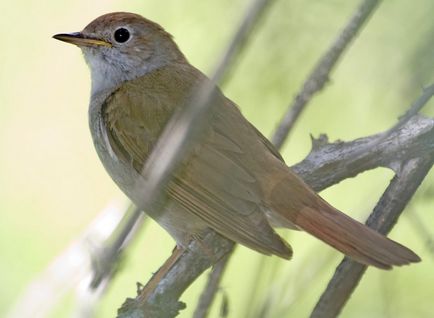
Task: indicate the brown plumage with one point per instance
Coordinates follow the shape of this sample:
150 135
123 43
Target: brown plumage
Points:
234 181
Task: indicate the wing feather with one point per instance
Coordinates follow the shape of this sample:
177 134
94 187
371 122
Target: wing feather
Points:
212 183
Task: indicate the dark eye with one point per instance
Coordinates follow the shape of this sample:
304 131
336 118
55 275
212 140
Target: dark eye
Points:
122 35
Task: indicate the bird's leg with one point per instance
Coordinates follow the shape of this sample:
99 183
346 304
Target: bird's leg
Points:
161 273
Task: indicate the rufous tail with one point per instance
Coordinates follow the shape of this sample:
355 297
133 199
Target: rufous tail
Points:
312 214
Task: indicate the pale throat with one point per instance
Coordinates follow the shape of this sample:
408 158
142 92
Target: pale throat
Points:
109 70
105 77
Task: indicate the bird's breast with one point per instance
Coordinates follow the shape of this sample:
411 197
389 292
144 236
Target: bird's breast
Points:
119 171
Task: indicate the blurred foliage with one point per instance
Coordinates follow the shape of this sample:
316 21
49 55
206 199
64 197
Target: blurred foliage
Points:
53 184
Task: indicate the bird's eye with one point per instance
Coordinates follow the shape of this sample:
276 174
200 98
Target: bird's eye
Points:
122 35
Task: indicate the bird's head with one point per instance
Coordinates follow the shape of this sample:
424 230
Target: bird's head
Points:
122 46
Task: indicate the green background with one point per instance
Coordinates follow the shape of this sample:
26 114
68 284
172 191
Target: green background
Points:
52 183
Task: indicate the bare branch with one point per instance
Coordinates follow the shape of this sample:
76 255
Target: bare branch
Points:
415 108
326 165
411 164
384 217
106 256
207 297
320 74
163 300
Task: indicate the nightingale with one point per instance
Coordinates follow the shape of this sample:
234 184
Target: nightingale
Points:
234 181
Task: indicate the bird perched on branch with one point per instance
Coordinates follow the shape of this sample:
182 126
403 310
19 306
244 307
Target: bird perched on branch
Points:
233 181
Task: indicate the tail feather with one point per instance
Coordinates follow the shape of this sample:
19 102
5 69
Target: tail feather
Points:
354 239
294 201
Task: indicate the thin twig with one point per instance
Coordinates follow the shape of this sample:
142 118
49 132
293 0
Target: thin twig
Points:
106 256
384 217
213 284
416 107
320 74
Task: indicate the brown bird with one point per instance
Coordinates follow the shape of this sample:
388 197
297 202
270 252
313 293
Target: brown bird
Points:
234 181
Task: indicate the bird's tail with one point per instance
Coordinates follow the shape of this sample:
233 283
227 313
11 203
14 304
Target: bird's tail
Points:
312 214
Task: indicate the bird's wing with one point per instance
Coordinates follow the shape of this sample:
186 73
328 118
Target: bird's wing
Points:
213 182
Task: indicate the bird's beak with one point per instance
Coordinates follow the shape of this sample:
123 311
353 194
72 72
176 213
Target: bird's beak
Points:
79 39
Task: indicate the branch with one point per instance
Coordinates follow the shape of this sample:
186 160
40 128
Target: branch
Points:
106 256
418 104
326 165
320 74
173 144
410 170
163 300
212 285
384 217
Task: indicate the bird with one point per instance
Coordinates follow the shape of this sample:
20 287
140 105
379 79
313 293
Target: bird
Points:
233 181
